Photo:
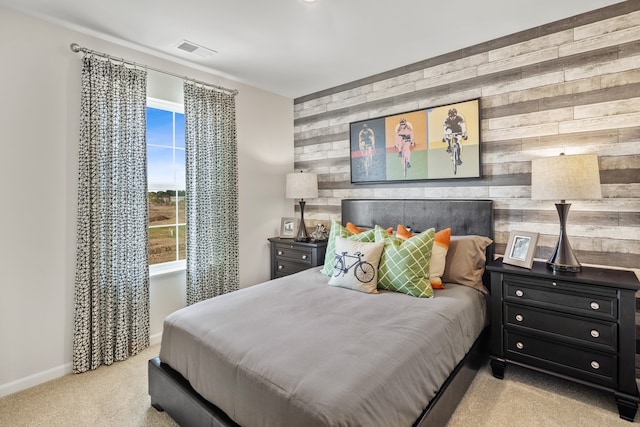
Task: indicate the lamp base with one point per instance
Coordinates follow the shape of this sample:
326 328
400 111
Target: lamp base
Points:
302 235
563 258
551 265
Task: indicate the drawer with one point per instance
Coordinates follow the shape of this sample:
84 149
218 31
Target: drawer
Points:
593 366
291 252
284 267
597 334
562 296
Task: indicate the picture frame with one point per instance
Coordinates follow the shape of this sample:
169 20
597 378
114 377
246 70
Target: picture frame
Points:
441 142
288 227
521 248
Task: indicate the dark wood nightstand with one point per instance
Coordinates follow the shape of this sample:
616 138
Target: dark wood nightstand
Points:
289 256
578 326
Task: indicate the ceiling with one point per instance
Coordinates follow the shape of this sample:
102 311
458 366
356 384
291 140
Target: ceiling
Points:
294 48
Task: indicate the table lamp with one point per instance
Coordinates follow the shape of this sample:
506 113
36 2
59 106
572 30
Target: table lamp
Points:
301 185
575 177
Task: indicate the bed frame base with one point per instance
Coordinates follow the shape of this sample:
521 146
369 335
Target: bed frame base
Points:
172 393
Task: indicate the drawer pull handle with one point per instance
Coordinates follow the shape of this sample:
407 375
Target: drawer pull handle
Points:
280 252
595 365
304 257
519 345
519 293
280 267
595 333
595 305
519 317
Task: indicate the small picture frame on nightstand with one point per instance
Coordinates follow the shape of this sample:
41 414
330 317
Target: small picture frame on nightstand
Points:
521 248
288 227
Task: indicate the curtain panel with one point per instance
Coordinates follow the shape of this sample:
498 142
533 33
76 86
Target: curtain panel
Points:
111 316
211 192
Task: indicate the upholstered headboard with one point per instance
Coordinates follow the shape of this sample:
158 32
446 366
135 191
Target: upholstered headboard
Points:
463 216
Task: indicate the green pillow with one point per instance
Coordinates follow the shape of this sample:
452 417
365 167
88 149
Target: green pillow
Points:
404 266
337 230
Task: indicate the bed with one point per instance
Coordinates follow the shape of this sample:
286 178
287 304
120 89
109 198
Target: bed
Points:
295 351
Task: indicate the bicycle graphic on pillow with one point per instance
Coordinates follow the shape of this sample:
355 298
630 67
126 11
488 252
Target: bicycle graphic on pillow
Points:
363 270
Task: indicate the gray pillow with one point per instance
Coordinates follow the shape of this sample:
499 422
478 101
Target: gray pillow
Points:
465 261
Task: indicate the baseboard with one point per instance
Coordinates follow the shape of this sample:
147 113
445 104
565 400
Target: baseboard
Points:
50 374
35 379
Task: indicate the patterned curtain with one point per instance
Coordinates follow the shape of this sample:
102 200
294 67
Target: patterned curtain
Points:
212 192
111 317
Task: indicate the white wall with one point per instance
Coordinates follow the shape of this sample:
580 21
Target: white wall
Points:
39 116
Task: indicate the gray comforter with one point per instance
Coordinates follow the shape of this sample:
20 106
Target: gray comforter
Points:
297 352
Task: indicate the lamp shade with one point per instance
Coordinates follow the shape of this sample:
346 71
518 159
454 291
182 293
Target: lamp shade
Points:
301 185
566 178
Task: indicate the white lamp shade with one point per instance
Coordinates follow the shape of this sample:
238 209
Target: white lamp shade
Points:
301 185
566 178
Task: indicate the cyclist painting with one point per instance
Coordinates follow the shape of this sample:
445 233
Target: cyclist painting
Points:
366 143
404 142
454 127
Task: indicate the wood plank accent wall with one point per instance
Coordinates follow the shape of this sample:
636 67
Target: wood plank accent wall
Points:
571 86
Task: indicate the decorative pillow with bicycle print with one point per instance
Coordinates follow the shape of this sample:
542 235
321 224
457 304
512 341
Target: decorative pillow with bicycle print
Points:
337 230
355 265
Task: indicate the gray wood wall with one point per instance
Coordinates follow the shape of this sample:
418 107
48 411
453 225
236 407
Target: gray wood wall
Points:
571 86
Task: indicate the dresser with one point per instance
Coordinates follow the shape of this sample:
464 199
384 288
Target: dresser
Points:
289 256
578 326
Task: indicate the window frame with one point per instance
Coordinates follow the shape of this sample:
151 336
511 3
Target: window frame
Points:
178 265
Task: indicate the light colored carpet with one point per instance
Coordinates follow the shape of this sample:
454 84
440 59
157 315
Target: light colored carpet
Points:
116 395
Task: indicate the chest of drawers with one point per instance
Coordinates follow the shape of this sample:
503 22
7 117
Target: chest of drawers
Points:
579 326
289 256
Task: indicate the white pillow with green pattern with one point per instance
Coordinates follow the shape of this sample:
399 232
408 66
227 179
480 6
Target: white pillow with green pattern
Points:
404 265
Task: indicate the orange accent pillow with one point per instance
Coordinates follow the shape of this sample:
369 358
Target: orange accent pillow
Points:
403 232
352 228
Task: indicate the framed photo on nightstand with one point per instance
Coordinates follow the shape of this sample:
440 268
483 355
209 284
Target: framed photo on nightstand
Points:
288 227
521 248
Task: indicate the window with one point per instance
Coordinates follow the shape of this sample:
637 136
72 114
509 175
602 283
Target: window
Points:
166 182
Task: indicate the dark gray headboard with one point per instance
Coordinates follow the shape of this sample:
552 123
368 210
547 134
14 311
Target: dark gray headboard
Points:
463 216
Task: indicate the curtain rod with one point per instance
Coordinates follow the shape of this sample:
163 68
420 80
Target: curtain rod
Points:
75 47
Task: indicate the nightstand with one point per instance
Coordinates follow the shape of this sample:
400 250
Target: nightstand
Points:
289 256
577 326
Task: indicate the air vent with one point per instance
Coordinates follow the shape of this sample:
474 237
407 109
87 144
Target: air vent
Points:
195 49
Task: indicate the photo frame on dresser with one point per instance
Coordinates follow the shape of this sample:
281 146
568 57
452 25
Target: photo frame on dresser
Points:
288 227
440 142
521 248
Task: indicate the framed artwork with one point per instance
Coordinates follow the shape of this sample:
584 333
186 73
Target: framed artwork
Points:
520 249
288 227
434 143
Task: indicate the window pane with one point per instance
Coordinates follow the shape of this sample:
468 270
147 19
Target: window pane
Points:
179 130
182 203
180 169
160 168
162 244
162 208
166 183
182 242
160 127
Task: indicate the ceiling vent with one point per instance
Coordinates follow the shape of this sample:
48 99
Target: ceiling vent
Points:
195 49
